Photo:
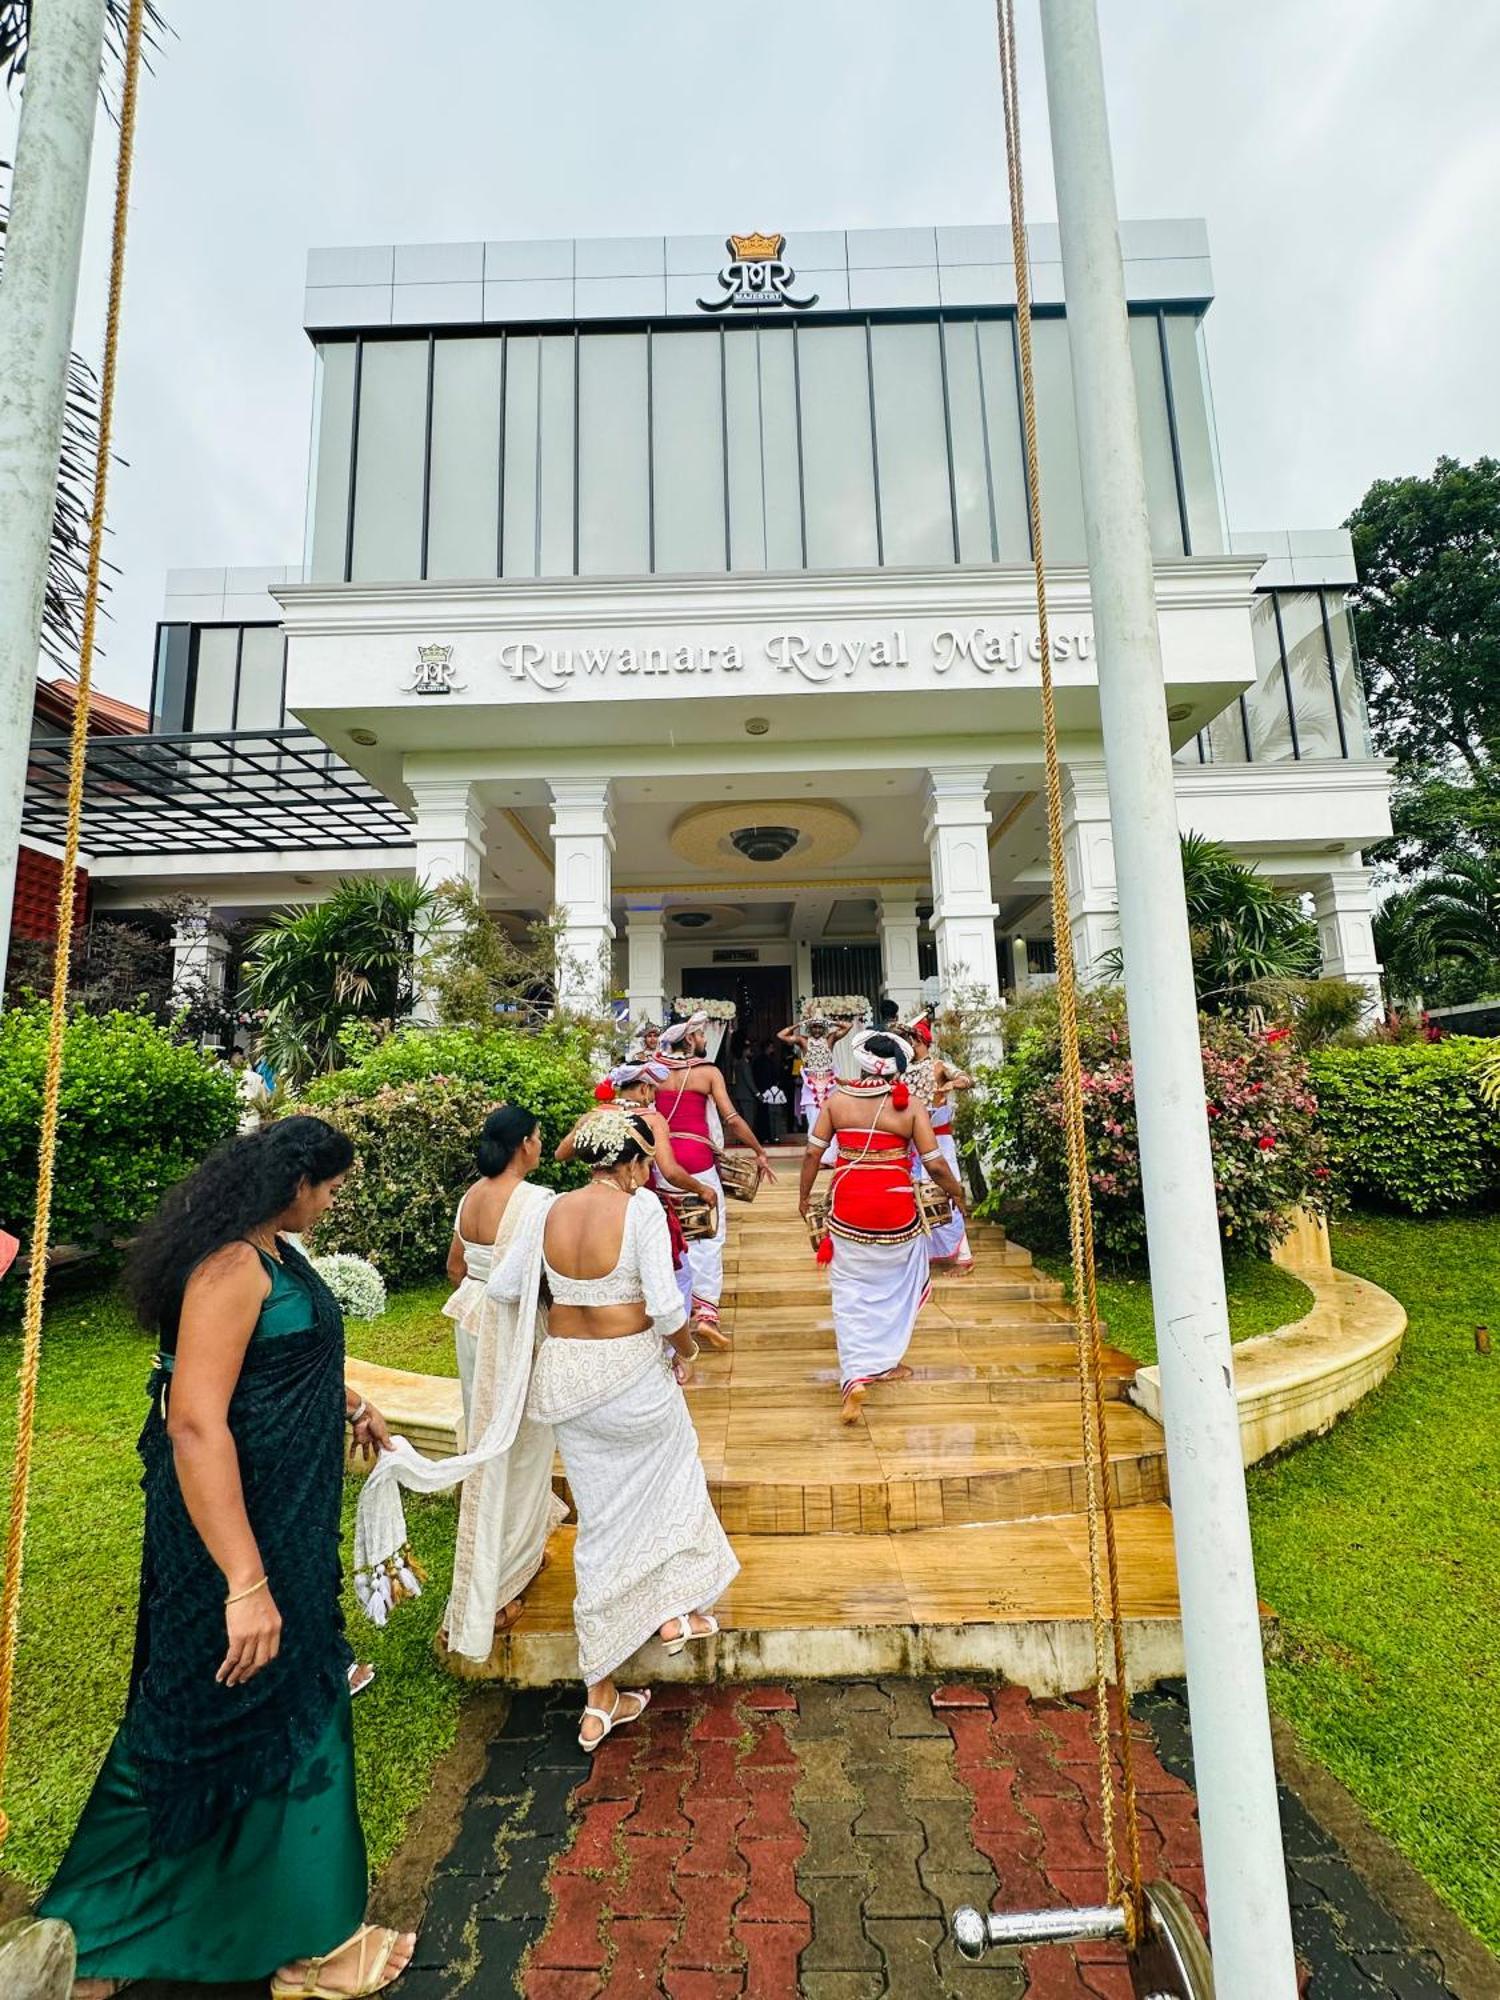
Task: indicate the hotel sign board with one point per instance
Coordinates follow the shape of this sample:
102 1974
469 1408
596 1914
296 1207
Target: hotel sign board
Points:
887 657
757 277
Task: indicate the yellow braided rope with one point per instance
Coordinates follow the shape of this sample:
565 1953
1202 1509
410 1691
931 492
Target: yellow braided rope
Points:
36 1277
1104 1573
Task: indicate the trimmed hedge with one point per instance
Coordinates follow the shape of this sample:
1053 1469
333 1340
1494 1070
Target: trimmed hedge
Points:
1406 1126
139 1111
413 1107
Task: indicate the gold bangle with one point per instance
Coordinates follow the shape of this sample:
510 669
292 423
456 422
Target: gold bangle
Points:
240 1595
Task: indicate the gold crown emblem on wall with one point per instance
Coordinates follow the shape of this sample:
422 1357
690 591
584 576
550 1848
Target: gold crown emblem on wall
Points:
434 656
756 249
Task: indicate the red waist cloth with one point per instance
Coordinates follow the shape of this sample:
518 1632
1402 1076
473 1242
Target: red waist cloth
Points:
686 1113
674 1227
872 1187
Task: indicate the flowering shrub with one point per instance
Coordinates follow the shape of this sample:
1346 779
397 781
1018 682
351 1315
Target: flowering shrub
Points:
1267 1152
139 1111
355 1283
1407 1123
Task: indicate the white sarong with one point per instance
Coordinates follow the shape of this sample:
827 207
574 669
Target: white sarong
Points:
878 1290
705 1254
948 1244
508 1508
649 1544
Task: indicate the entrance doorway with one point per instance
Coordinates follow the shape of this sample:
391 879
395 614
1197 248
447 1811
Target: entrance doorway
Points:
762 995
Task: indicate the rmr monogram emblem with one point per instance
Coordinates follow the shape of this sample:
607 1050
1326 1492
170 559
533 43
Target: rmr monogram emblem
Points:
433 673
757 276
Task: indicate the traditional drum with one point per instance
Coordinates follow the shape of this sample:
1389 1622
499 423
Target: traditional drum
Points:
694 1215
934 1207
817 1218
740 1175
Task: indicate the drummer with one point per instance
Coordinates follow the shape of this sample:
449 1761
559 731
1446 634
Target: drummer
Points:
636 1084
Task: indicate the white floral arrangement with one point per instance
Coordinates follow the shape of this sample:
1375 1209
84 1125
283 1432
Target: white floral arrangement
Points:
837 1007
716 1010
355 1283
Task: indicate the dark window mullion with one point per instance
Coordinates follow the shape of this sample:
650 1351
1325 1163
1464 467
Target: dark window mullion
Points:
724 437
1015 345
1166 376
801 476
942 341
1286 676
359 362
239 654
427 454
1245 729
1333 675
874 444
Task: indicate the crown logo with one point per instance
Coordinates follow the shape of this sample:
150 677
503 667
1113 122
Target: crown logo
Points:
433 673
434 656
755 248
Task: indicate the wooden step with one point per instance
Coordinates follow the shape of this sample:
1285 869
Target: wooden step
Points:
1010 1601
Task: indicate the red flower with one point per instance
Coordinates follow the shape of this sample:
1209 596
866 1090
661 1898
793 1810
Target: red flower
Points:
1213 1110
1267 1141
1277 1034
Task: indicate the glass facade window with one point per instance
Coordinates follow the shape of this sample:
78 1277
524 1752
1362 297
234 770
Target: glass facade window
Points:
614 454
1310 674
1266 707
687 453
463 508
261 702
214 674
1348 684
833 443
169 681
916 512
838 459
389 459
1307 701
211 679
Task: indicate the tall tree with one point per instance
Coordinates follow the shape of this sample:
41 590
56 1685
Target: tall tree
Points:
1427 613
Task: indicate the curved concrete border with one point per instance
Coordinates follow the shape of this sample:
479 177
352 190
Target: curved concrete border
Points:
1298 1381
427 1409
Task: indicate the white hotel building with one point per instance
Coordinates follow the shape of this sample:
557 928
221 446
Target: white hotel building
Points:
686 589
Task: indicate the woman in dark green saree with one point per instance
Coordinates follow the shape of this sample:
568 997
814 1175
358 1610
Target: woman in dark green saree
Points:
222 1840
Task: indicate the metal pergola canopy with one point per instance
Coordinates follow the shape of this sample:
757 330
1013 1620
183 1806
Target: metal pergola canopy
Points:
242 792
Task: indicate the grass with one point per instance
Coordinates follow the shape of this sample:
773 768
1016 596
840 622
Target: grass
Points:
1261 1298
1379 1547
82 1562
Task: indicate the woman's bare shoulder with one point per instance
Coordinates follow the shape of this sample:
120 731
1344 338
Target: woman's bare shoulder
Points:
235 1266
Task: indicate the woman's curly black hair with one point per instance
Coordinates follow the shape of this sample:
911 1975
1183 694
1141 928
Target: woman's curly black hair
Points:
239 1187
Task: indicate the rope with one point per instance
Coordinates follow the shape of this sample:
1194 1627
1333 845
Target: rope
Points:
1104 1569
36 1277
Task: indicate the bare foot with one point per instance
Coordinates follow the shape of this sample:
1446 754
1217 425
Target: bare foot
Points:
95 1989
853 1404
348 1969
900 1373
508 1616
712 1337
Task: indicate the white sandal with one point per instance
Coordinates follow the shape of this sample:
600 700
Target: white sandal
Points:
612 1718
688 1636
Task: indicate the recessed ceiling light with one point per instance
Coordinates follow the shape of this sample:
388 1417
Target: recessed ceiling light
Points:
1179 711
757 725
367 737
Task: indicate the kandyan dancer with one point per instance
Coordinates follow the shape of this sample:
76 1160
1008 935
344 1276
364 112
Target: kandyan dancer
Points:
650 1556
635 1085
932 1081
814 1042
694 1088
876 1248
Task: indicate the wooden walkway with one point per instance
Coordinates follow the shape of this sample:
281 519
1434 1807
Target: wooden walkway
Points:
945 1531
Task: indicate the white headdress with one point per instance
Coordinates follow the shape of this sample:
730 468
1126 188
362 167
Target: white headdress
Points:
638 1070
873 1064
677 1034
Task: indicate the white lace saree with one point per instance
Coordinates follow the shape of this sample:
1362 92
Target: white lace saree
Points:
508 1508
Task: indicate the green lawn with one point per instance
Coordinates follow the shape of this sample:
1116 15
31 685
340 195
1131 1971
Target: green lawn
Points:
1261 1298
82 1557
1379 1546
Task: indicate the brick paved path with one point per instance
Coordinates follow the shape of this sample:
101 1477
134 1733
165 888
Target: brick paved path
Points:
773 1842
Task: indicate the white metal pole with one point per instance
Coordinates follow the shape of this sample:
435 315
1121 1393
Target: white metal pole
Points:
1236 1780
38 294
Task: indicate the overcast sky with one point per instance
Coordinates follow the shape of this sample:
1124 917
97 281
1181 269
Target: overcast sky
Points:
1346 155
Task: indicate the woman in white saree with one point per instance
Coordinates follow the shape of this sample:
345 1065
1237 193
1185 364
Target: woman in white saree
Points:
508 1508
650 1556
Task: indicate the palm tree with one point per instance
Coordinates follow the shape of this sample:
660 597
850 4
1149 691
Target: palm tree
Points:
1460 907
62 611
317 968
1404 945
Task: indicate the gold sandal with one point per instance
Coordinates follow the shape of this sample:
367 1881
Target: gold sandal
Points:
373 1980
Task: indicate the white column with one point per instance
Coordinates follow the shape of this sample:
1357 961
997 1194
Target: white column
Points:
1346 935
1089 854
802 970
963 910
450 845
43 247
583 843
646 962
1236 1778
900 974
200 962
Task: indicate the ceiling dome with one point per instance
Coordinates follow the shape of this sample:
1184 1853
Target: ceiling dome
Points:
766 836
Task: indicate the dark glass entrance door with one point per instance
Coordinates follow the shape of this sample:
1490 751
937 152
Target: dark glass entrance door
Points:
762 994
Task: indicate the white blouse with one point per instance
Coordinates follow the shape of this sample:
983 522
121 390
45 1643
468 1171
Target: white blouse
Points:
642 1274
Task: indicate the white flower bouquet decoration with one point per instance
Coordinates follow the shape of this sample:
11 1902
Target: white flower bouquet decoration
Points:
355 1283
837 1007
716 1010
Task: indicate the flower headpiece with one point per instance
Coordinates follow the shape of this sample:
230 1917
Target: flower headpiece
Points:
606 1136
